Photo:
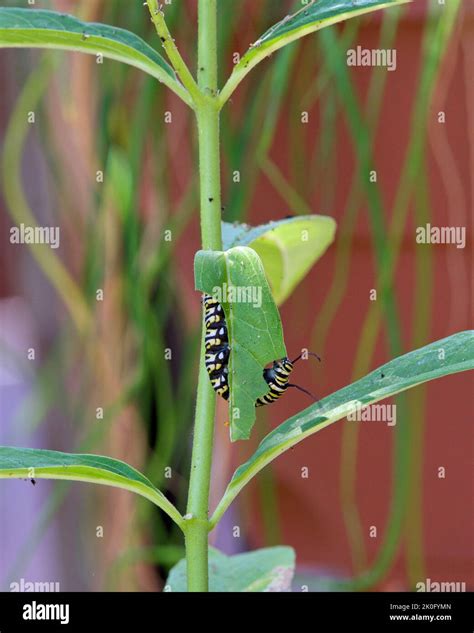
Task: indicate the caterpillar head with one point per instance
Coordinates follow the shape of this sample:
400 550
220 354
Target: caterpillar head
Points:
284 365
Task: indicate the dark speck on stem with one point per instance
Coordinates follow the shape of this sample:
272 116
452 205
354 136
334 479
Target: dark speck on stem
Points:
211 199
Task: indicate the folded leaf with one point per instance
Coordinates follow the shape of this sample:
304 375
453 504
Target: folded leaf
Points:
253 324
288 248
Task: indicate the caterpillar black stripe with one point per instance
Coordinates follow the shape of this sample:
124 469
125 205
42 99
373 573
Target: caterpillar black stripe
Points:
217 358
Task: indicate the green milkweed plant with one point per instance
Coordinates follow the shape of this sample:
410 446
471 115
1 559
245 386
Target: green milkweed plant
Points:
231 256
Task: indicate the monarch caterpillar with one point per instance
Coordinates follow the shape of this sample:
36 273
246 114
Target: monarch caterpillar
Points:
217 358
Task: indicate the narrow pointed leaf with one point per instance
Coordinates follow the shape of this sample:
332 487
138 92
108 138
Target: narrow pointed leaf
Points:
441 358
37 28
288 248
253 323
263 570
32 463
310 18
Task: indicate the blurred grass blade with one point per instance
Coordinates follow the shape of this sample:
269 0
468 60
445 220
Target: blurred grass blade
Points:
268 569
253 324
32 463
441 358
288 248
30 28
16 200
310 18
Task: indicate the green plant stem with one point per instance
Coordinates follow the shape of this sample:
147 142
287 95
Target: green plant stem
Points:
178 63
207 112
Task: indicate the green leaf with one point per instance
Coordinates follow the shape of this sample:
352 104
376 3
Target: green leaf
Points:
441 358
253 323
269 569
36 28
310 18
32 463
288 248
